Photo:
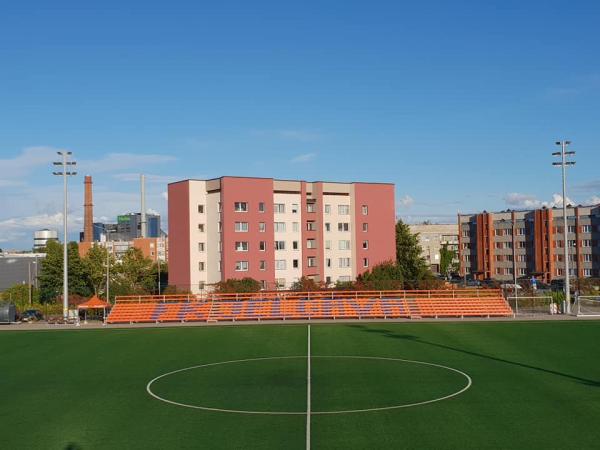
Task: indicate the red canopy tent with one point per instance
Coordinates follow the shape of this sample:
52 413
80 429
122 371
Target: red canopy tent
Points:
94 303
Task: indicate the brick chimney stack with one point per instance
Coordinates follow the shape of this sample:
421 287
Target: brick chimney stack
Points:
88 219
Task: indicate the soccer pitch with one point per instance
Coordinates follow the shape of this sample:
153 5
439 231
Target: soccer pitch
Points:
365 385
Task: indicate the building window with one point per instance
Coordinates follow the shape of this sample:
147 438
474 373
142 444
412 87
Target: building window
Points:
201 285
262 246
311 225
261 227
279 208
586 243
365 227
201 246
241 227
201 266
343 226
262 265
296 227
219 207
311 243
201 227
327 226
328 245
586 228
241 206
521 231
328 262
587 272
311 261
294 245
365 210
311 207
344 262
521 271
241 246
344 245
294 208
261 207
587 258
201 209
365 262
343 210
572 229
280 264
295 263
365 245
241 266
344 279
280 283
327 209
279 227
572 243
279 245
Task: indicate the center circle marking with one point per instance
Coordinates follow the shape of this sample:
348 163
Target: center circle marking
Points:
468 384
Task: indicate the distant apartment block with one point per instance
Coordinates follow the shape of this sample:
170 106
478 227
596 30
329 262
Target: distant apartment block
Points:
494 245
432 238
277 231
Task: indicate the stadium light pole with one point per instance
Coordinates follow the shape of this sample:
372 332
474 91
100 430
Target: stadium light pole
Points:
65 172
563 154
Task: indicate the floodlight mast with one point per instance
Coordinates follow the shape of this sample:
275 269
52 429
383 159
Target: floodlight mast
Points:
564 163
65 172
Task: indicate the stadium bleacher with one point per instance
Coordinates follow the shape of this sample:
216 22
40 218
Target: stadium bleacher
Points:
286 305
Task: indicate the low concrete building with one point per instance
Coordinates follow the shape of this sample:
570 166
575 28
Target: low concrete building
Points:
19 268
432 237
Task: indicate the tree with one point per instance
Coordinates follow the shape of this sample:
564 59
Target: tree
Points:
50 278
233 285
447 263
384 276
95 267
410 263
134 274
51 273
305 284
19 295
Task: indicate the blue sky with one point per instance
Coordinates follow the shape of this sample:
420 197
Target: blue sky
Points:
458 103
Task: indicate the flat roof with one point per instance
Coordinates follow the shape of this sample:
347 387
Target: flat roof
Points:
282 179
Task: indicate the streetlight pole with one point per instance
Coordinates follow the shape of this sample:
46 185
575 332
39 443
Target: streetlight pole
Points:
564 163
107 267
65 172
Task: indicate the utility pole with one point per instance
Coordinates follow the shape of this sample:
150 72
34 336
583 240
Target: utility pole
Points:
107 267
65 172
563 154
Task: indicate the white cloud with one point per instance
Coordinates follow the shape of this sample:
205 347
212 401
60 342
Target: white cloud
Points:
593 200
522 200
22 228
406 201
165 195
519 200
304 157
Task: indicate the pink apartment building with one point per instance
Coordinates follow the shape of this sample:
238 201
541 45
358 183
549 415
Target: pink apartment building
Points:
277 231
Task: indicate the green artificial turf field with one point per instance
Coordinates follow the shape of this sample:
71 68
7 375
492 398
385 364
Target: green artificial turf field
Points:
534 385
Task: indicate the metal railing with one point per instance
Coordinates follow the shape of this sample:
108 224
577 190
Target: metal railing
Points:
312 295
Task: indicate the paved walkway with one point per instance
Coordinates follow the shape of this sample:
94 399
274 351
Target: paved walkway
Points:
91 325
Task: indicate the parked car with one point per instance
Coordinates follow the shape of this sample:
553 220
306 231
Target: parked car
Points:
31 315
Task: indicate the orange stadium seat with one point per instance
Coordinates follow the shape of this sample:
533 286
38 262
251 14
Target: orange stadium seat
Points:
311 305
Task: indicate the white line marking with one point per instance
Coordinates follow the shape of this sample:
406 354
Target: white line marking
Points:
308 394
312 413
